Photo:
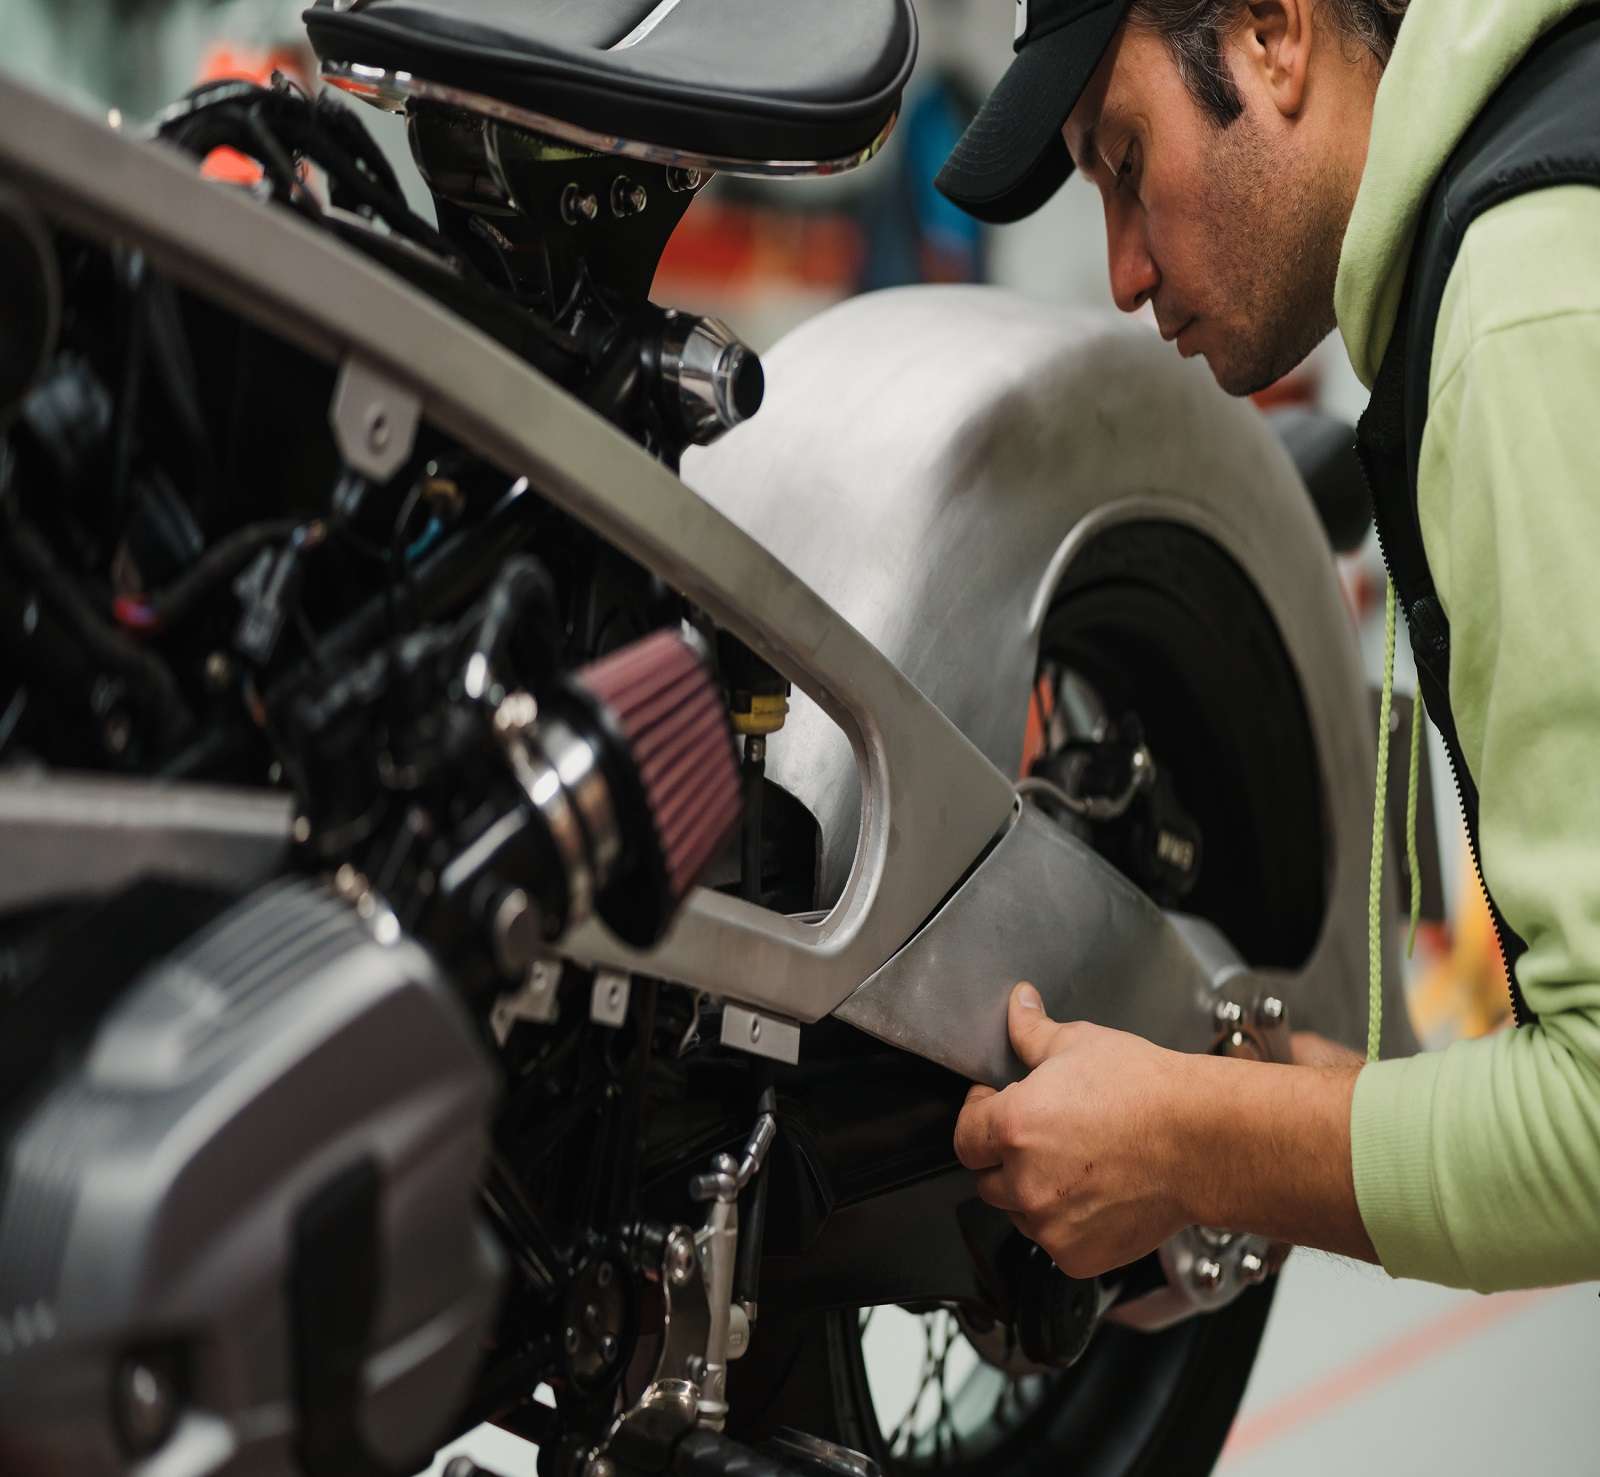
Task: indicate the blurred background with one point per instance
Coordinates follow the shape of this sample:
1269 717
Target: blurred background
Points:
768 255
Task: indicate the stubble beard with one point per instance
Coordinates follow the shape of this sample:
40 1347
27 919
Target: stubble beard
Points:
1278 230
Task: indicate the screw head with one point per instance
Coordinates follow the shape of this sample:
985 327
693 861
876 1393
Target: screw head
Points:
755 1029
614 995
608 1347
378 428
591 1316
569 1339
1271 1010
1207 1274
1228 1013
1252 1267
604 1273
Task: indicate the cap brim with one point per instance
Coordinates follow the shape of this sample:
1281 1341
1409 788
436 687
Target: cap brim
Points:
1012 158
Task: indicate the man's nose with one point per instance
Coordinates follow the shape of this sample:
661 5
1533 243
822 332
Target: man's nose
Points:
1134 275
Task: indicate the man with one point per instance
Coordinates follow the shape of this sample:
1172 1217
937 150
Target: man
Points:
1267 170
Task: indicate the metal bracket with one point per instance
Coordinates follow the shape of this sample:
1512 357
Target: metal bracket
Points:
608 1002
374 421
760 1035
536 1001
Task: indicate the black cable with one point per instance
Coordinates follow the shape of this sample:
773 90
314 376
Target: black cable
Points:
224 558
143 670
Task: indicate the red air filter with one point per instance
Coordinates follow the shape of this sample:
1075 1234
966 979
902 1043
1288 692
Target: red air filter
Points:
674 776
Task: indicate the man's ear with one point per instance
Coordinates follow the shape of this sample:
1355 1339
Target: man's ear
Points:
1276 39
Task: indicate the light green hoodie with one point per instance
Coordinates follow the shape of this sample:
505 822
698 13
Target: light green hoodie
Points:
1479 1166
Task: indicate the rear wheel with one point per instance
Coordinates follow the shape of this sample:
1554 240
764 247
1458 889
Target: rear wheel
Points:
1152 620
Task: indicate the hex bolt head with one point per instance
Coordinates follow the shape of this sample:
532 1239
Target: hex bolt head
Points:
608 1347
1207 1274
1252 1267
1270 1011
1228 1013
680 1259
603 1274
146 1406
569 1339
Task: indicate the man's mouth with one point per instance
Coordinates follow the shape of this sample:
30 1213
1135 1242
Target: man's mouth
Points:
1179 331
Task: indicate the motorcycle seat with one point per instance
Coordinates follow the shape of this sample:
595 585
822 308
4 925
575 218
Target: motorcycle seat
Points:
749 84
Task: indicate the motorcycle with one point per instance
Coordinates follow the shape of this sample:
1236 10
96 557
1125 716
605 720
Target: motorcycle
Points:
382 596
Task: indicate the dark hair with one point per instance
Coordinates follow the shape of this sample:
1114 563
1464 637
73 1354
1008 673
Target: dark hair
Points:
1193 30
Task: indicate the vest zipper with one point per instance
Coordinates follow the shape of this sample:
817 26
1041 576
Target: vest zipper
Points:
1519 1009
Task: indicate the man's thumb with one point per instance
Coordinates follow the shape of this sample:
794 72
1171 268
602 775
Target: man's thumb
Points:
1032 1031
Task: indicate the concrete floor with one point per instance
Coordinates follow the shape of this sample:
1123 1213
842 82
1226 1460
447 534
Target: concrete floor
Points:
1362 1376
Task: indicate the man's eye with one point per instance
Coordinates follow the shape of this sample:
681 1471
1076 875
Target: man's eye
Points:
1125 170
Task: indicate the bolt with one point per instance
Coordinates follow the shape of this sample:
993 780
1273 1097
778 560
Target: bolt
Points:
347 882
578 204
146 1406
614 994
570 1339
627 198
755 1028
1228 1013
591 1317
377 428
1207 1274
604 1272
1251 1267
219 671
1271 1010
608 1347
679 1259
301 830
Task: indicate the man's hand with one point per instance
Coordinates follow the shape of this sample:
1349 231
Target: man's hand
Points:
1111 1144
1079 1153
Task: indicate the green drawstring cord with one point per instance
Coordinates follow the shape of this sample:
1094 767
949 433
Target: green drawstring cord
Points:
1381 790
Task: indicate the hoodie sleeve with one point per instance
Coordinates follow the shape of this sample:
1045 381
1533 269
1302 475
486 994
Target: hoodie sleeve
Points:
1479 1166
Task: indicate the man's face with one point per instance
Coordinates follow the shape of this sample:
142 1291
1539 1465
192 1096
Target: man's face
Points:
1230 233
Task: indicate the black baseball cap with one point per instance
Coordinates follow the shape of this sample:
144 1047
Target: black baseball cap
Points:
1013 158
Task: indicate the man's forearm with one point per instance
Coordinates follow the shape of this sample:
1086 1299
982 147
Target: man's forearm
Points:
1266 1149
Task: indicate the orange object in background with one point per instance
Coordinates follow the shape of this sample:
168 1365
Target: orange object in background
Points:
1463 991
223 62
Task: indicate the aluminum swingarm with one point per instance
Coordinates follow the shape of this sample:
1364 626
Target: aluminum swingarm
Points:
931 801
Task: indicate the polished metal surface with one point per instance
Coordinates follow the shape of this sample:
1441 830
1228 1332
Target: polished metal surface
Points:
933 460
394 91
760 1035
70 836
647 25
374 420
704 363
989 936
935 801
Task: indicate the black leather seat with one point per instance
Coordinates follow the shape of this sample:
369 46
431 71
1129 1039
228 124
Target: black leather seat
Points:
747 80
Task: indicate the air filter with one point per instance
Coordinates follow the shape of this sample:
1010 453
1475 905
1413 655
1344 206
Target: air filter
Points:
674 776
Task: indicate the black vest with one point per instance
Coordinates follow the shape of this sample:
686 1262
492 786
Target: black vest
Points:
1542 128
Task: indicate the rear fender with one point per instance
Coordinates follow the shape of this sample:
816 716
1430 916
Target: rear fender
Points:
931 460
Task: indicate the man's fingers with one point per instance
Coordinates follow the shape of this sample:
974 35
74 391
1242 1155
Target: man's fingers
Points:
1033 1033
974 1139
995 1189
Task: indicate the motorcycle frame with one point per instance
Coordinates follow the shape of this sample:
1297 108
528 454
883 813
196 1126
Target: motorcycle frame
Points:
932 803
